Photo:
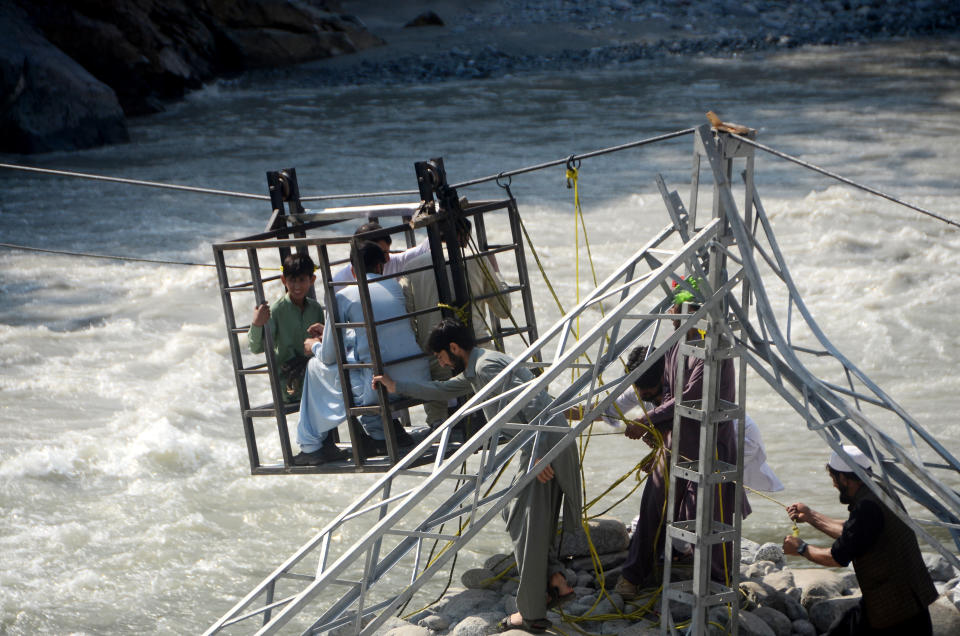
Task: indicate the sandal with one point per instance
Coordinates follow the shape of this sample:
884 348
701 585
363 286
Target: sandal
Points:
536 626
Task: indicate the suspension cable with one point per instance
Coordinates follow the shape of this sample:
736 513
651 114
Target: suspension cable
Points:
574 158
111 257
850 182
152 184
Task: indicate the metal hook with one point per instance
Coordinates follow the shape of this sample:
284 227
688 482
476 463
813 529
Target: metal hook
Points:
505 186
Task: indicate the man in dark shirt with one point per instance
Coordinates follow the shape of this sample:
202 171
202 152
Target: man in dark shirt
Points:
893 578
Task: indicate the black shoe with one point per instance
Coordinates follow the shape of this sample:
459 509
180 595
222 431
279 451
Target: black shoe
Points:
329 452
404 439
370 447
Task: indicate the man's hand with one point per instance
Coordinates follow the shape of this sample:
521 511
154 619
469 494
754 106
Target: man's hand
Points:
386 381
635 431
261 314
546 474
799 512
308 346
315 330
790 544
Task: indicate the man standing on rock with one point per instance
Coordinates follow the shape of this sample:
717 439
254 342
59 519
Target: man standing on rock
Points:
893 578
532 518
658 385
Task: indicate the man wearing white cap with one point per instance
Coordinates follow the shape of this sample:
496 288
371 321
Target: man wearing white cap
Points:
894 581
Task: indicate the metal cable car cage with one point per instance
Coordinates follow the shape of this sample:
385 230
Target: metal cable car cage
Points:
327 235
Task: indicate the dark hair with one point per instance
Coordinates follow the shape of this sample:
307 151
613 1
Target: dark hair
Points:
298 264
373 226
447 331
652 377
371 254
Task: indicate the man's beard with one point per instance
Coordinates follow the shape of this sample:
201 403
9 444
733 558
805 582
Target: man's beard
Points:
845 498
459 366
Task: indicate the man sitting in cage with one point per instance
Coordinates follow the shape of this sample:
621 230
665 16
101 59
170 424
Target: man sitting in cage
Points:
393 263
484 282
291 320
322 407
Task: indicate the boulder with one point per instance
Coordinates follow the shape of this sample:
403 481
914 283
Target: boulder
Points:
778 621
824 613
756 594
792 607
49 101
607 535
945 617
817 584
748 549
939 568
70 71
427 18
408 630
434 622
780 580
803 627
479 579
467 602
753 625
500 562
771 552
479 626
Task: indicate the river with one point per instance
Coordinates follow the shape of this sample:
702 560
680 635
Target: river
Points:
127 501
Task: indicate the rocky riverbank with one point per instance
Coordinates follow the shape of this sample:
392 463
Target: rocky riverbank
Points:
479 40
71 72
777 600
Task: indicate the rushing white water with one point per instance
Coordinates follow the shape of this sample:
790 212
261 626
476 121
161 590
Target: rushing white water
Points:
124 484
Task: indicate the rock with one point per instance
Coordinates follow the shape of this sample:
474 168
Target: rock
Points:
88 60
939 568
427 18
824 613
608 535
479 579
781 580
945 617
640 629
753 625
409 630
748 549
434 622
792 607
478 625
771 552
499 562
49 102
817 584
778 621
760 568
849 581
467 602
607 561
615 627
756 594
803 627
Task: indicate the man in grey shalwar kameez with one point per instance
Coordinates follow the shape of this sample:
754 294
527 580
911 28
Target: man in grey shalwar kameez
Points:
532 517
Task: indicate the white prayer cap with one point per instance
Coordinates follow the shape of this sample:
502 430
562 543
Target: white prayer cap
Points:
840 464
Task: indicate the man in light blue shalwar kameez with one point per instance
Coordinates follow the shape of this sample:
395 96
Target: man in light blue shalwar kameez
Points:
321 407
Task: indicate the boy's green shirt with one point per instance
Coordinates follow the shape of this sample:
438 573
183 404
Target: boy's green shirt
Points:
288 326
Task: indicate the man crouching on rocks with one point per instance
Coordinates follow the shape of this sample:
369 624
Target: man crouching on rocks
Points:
532 518
894 581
